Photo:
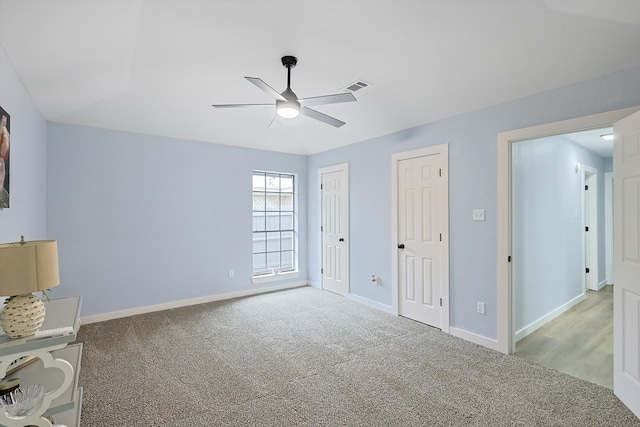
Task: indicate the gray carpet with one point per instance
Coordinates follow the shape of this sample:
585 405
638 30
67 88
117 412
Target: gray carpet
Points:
306 357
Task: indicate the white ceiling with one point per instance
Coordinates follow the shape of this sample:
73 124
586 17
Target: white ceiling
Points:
155 67
592 140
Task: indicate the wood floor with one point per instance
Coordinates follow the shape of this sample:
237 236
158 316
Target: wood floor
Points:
579 342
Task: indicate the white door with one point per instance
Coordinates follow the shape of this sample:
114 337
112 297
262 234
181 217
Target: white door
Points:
420 228
626 262
335 228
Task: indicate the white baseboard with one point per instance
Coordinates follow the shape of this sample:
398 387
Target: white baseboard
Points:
371 303
602 284
183 303
549 317
474 338
456 332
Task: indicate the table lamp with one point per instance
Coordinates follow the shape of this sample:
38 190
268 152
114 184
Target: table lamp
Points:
26 267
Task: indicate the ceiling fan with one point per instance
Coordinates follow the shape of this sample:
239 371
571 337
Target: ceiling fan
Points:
288 105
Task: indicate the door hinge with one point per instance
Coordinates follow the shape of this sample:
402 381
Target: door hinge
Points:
586 187
440 302
439 172
322 271
509 258
586 229
321 228
321 186
587 269
441 237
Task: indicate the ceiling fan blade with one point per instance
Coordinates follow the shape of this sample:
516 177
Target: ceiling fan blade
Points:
266 88
240 105
327 99
322 117
276 122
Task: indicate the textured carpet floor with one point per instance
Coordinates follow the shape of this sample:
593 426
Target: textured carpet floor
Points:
306 357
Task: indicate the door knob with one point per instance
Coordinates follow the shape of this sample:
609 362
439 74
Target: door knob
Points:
401 246
341 239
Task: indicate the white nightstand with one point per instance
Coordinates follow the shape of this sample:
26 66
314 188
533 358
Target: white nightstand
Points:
57 369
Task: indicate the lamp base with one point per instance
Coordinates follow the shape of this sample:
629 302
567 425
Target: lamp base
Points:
22 316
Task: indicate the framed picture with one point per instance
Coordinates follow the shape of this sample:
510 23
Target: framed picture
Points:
5 127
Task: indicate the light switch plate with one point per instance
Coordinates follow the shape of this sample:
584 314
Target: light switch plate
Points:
478 214
480 308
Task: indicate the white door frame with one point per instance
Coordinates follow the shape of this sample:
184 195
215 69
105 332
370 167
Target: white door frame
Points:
506 339
608 226
590 204
321 171
443 150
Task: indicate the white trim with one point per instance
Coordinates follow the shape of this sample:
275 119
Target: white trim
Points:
608 226
506 342
592 281
395 306
187 302
474 338
602 285
296 250
321 171
371 303
530 328
443 150
274 277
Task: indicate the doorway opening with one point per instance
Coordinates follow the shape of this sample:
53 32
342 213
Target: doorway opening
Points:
505 295
560 320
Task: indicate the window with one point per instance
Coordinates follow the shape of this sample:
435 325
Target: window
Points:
274 240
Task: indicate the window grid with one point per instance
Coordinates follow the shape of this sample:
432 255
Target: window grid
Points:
273 223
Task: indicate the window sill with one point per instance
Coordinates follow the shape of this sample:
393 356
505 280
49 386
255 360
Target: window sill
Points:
266 278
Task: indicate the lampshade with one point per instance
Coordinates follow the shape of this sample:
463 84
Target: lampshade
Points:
27 267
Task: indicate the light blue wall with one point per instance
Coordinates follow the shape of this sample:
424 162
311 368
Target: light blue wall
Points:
472 140
26 214
608 165
143 220
547 225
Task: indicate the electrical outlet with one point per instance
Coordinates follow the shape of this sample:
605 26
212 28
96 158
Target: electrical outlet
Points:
230 273
480 308
478 214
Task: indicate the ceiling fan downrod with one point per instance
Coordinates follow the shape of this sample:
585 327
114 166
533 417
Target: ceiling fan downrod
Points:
289 62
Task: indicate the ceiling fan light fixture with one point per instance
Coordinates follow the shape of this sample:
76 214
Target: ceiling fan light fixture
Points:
288 105
288 109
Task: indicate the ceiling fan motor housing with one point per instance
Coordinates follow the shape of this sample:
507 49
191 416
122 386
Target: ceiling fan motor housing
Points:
289 94
289 108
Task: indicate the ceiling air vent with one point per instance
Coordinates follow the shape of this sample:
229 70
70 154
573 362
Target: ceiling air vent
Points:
356 86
